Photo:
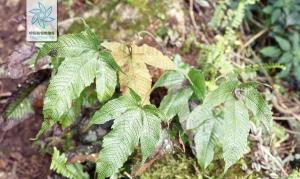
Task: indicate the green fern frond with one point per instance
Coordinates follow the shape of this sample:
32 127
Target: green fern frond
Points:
47 124
81 63
21 107
219 14
74 74
18 110
236 104
256 67
60 165
132 123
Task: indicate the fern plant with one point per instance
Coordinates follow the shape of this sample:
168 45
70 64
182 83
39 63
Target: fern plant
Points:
223 118
183 84
60 165
232 127
228 16
82 62
134 123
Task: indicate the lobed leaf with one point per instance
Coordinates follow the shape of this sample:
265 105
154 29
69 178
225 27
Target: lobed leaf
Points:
133 123
74 74
133 60
236 127
119 143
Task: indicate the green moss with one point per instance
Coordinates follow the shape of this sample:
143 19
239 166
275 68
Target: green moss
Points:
96 23
175 166
295 174
110 24
216 169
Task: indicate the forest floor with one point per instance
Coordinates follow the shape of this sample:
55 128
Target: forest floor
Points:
19 156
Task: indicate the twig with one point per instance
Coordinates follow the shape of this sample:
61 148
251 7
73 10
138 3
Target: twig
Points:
284 109
192 14
80 158
254 38
128 175
147 165
273 158
68 22
283 118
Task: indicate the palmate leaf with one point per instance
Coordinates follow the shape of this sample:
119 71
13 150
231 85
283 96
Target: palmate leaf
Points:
74 74
79 62
133 60
132 123
72 77
60 165
236 125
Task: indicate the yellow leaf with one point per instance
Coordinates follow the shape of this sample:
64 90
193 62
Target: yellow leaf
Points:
153 57
133 60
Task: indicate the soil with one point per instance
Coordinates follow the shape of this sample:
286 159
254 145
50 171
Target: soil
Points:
18 156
